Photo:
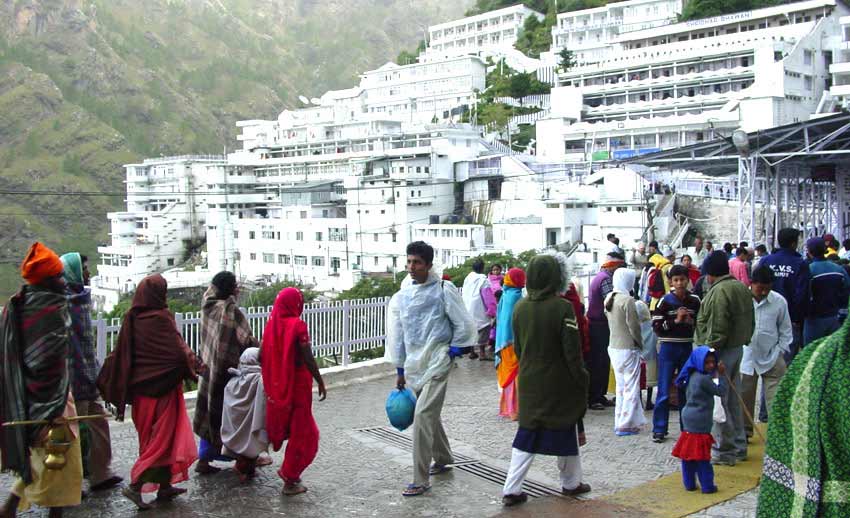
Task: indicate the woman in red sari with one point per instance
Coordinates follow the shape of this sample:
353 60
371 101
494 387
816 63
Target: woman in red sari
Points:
289 368
147 369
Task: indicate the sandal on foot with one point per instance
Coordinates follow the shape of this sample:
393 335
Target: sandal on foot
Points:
295 489
136 498
414 490
438 469
169 493
107 484
578 490
512 500
206 469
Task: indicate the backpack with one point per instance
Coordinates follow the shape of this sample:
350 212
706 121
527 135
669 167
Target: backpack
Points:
655 284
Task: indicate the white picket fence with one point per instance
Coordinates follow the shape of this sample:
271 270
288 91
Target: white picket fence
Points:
338 329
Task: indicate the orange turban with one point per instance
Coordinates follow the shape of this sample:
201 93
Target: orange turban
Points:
40 264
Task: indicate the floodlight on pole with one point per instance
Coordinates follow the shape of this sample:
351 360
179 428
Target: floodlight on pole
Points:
741 141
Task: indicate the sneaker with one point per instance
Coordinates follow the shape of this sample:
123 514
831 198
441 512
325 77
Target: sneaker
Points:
512 500
658 437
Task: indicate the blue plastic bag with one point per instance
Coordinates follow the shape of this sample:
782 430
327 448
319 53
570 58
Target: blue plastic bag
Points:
400 407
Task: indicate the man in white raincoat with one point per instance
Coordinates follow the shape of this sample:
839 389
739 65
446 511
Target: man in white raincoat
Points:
481 304
426 319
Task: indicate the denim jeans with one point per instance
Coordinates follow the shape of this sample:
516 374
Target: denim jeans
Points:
814 328
671 358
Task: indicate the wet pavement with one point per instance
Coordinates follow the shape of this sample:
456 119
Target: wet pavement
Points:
362 466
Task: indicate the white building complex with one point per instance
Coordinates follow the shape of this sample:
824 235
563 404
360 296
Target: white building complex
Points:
487 35
334 191
683 83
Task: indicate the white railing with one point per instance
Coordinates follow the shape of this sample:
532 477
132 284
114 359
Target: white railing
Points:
337 329
529 101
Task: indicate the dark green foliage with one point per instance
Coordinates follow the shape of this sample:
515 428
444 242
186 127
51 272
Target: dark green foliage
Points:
707 8
406 57
566 59
372 287
266 296
507 260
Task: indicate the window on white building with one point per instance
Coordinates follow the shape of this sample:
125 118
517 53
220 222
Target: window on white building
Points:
299 236
318 236
268 258
235 234
171 262
808 57
252 235
335 263
807 82
282 259
301 260
303 214
376 261
253 256
318 260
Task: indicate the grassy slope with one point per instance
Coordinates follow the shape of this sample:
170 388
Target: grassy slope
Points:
88 86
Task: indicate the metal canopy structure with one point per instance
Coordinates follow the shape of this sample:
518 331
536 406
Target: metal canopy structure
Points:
797 175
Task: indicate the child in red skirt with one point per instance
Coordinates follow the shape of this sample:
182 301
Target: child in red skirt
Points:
694 444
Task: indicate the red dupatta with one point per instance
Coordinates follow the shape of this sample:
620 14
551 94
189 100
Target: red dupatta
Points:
280 349
581 318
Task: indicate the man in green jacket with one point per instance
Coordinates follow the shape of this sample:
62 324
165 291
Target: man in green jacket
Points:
725 323
552 382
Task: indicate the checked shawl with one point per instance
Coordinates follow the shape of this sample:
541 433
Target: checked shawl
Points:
807 461
225 334
34 369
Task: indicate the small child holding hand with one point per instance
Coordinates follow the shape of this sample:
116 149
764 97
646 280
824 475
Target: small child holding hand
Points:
694 444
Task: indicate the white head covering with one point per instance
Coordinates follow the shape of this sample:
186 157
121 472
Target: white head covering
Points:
624 280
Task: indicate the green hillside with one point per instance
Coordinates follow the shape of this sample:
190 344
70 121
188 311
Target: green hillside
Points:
88 86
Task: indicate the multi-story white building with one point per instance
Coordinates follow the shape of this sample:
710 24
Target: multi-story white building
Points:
840 68
688 82
387 101
589 33
164 221
485 34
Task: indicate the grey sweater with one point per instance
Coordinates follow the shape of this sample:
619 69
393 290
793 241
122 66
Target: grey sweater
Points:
624 323
697 416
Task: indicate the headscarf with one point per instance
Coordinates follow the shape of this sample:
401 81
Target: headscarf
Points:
614 259
544 277
151 357
39 264
515 278
243 422
696 362
73 264
624 281
281 337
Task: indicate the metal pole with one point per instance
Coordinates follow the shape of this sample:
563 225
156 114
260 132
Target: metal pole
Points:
346 332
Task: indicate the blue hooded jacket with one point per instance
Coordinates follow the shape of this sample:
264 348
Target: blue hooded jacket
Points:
697 416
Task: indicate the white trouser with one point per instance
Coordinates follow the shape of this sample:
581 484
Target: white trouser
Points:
570 468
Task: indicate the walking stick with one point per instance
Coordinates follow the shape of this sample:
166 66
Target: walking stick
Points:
744 408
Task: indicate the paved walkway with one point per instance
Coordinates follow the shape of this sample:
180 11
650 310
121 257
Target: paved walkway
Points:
361 473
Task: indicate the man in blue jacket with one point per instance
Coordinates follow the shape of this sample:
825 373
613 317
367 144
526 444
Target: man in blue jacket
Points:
829 288
791 273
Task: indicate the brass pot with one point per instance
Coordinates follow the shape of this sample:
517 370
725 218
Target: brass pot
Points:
58 443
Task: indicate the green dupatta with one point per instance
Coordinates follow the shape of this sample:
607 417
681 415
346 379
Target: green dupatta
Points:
807 461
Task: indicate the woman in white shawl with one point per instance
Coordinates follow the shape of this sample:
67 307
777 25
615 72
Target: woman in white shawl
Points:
243 420
625 349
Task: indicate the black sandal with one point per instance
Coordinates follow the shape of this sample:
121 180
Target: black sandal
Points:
512 500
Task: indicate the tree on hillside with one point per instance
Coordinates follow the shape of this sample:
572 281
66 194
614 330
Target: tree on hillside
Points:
372 287
567 60
707 8
406 57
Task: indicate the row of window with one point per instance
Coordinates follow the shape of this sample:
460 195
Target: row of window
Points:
444 232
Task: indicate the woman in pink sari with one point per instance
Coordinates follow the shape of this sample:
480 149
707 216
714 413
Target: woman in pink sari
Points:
288 369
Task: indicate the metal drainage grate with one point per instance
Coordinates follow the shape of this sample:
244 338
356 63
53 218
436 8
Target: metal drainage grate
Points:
463 463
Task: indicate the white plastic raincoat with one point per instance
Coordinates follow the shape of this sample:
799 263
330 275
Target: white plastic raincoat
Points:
423 321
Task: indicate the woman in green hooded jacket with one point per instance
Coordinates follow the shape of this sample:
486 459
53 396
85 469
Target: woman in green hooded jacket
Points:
552 381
